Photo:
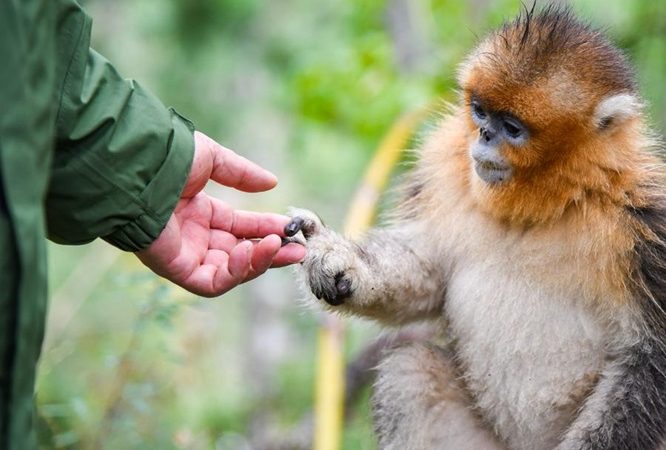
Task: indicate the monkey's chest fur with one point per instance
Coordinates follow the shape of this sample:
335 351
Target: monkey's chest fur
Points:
529 350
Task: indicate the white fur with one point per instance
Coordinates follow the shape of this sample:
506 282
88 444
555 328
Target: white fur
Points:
512 341
616 108
527 336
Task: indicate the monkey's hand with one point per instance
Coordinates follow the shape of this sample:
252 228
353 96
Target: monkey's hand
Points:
386 276
332 267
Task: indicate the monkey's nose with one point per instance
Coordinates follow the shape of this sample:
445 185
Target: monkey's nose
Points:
487 134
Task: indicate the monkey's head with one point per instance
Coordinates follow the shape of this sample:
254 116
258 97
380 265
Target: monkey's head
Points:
550 105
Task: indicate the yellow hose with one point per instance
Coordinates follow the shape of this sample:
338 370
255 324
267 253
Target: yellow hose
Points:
330 388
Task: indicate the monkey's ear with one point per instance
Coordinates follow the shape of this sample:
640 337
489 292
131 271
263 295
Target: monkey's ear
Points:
616 109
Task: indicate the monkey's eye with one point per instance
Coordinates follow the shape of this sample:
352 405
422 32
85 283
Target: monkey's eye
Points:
513 129
478 112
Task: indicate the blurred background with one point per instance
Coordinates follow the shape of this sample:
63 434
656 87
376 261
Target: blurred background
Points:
307 89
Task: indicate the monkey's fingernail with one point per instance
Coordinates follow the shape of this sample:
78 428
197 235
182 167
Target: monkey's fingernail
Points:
293 227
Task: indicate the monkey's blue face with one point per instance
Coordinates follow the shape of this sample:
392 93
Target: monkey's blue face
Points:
496 129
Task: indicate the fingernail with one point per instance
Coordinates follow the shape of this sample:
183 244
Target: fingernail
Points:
271 175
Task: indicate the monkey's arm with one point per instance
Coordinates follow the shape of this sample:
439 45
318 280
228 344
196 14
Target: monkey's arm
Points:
627 409
387 276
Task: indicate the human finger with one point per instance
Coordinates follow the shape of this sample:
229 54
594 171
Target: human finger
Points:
222 240
218 258
246 224
202 280
231 169
263 253
291 253
220 272
240 259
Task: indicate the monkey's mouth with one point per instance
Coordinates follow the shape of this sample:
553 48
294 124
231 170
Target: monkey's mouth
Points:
492 172
491 165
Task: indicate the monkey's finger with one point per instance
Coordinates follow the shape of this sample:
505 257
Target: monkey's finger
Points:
293 227
305 221
309 228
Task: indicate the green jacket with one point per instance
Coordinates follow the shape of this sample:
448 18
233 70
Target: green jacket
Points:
84 153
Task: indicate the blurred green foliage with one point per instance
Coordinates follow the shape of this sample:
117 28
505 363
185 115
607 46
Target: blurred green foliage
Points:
307 89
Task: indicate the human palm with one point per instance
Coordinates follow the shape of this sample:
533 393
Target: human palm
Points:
207 247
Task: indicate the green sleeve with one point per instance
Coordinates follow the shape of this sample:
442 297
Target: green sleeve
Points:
121 157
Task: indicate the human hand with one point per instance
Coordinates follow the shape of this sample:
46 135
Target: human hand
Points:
207 247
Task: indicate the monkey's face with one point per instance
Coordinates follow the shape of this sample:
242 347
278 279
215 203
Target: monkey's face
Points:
549 115
497 129
532 121
517 124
